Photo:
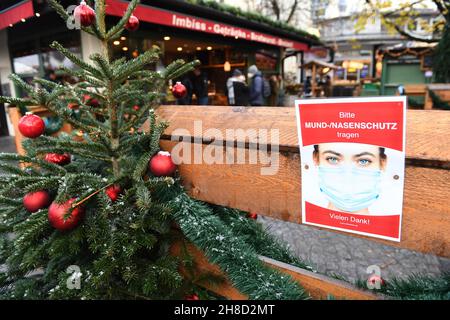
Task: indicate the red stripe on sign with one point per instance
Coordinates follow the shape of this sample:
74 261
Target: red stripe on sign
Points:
178 20
16 13
377 123
386 226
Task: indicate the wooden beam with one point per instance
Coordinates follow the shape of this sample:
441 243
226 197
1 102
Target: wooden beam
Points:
425 130
318 286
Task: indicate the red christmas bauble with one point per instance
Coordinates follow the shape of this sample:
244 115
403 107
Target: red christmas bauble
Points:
136 108
132 24
56 158
192 297
57 212
92 102
113 192
31 125
374 279
72 106
84 14
162 164
252 215
179 90
34 201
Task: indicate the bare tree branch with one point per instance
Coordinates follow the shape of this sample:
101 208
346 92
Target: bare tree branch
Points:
292 12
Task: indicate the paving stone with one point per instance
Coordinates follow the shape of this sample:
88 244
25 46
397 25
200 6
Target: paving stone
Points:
347 256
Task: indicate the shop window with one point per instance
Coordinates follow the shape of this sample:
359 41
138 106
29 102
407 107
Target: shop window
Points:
36 59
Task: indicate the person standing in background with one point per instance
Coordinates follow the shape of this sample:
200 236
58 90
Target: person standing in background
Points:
274 90
200 87
237 89
327 88
281 92
256 86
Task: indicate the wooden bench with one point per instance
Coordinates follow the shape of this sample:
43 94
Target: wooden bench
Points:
426 210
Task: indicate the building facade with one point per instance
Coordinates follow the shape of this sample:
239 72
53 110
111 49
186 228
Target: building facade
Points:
357 53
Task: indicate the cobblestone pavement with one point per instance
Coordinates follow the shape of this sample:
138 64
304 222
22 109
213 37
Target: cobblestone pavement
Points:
347 256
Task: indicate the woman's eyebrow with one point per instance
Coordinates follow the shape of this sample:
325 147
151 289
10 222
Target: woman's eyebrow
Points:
364 154
333 152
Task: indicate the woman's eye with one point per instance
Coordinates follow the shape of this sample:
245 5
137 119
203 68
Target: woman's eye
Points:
332 160
364 162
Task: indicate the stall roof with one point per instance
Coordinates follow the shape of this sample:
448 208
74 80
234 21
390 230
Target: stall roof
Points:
214 12
206 10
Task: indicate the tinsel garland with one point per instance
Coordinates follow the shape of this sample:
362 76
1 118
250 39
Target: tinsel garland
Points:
233 255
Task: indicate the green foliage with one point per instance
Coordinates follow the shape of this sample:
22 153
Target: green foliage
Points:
441 63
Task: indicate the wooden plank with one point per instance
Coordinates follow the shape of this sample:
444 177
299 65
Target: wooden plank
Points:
14 116
424 131
318 286
426 213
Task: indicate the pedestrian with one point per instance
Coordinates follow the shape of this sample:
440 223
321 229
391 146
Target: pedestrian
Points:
281 93
200 87
256 86
327 87
307 88
237 89
274 90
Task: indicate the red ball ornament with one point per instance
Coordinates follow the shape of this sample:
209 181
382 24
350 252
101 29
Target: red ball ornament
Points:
57 212
132 24
84 14
92 102
192 297
136 108
252 215
179 90
113 192
375 279
56 158
31 125
162 164
34 201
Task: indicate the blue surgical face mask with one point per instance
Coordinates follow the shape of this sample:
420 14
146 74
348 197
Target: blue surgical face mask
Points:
350 188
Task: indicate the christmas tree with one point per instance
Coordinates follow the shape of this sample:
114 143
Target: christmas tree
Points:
93 214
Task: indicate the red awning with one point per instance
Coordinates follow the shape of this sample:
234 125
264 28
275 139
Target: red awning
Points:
14 14
179 20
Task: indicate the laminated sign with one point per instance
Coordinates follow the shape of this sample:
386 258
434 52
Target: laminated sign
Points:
353 164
